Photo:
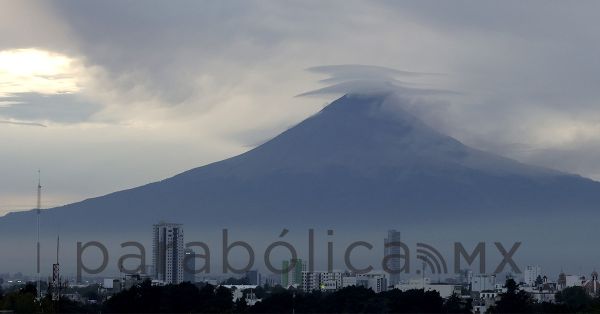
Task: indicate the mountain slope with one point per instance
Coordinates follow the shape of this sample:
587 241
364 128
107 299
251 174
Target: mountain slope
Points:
361 154
362 163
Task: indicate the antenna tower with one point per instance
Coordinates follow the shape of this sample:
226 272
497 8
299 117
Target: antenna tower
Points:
38 212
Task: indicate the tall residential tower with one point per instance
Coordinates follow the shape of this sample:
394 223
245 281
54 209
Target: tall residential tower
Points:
168 253
392 248
189 263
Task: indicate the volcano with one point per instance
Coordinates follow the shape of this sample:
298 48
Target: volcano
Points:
361 162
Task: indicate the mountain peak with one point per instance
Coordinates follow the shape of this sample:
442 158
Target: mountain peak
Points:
366 135
380 106
355 131
361 161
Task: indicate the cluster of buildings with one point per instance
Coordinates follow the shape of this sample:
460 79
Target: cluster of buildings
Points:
172 264
297 276
169 256
485 291
544 289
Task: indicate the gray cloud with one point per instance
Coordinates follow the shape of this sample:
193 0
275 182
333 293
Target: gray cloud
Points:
346 72
357 78
197 81
22 123
163 48
61 108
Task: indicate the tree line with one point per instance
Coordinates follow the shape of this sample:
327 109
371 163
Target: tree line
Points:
24 300
206 298
189 298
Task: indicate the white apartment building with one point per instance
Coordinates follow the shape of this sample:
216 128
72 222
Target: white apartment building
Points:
574 280
326 281
531 273
482 282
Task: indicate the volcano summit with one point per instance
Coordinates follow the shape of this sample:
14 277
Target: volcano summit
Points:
362 163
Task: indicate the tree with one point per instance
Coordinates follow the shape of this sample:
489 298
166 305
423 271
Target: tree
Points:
180 298
280 301
29 288
514 300
236 281
354 299
575 299
539 280
240 305
454 304
22 301
413 301
223 300
261 292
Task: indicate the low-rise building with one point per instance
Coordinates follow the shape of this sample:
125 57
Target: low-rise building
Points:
376 282
592 286
481 282
326 281
331 281
574 280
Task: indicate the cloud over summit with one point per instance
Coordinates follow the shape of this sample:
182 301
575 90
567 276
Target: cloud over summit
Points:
178 85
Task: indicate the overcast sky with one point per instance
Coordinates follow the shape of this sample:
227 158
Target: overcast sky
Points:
108 95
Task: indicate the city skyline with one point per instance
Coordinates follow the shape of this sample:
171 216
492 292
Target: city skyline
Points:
299 156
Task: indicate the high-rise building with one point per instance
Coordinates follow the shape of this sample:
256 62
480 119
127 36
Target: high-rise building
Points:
189 261
531 274
293 275
392 247
168 253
